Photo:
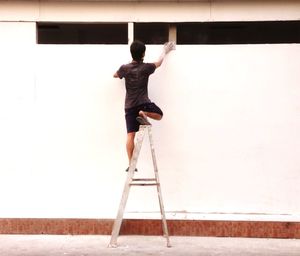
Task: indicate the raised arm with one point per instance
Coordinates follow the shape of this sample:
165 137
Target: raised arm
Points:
167 48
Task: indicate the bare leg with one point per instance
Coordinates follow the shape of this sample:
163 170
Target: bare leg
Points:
152 115
130 145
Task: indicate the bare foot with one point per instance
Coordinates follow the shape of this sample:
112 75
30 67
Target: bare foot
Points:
142 114
142 118
142 121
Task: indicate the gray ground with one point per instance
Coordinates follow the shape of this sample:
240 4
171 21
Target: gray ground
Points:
50 245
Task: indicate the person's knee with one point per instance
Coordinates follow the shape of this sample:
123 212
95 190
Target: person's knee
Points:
130 136
157 116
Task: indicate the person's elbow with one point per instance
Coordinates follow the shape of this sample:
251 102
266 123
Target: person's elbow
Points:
157 64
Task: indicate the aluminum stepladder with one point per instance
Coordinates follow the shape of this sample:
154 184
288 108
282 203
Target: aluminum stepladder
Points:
130 181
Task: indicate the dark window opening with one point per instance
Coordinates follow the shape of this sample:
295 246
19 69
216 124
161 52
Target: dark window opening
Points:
151 33
254 32
80 33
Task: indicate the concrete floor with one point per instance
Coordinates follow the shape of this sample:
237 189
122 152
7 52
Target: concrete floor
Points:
50 245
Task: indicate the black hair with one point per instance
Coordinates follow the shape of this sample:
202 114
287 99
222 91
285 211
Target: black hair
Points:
137 49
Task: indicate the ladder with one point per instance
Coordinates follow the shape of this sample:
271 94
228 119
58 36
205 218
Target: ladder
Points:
130 181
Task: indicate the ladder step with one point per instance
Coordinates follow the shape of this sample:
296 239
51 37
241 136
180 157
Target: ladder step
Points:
148 182
147 179
144 184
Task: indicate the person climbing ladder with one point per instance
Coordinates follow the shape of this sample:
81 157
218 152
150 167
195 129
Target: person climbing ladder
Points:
138 106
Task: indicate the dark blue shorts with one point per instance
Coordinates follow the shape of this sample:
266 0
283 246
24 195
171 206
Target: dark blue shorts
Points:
132 113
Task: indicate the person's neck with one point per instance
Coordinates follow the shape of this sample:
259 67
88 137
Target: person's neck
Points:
137 61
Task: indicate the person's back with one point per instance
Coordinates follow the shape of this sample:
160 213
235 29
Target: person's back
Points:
136 76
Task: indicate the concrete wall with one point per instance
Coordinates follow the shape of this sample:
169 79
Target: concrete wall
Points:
228 144
214 10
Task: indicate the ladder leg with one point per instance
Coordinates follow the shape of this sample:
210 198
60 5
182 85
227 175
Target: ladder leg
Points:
133 162
161 205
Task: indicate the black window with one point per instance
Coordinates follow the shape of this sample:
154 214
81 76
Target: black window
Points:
82 33
256 32
151 33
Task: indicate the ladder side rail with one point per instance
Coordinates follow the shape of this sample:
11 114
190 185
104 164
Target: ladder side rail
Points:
162 210
133 162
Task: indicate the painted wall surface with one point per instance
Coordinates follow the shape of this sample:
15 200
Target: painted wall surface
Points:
173 11
228 143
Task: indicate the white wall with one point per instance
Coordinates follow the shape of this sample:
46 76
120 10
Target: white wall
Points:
147 11
229 141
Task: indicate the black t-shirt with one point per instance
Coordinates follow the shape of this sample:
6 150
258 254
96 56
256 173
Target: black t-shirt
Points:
136 76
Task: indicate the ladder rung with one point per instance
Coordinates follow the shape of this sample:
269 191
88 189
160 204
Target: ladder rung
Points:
144 184
151 179
148 180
